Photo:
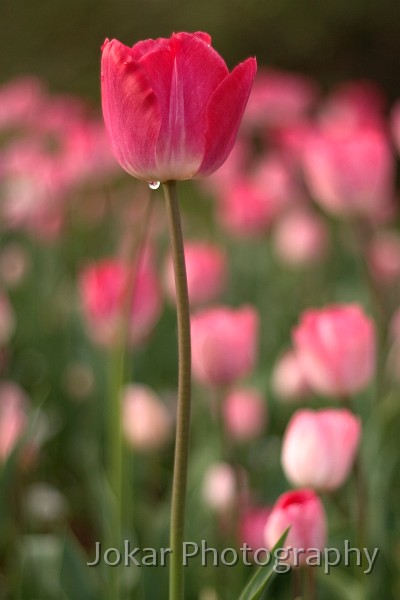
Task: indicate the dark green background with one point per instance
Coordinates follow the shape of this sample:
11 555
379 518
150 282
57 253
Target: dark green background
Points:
330 39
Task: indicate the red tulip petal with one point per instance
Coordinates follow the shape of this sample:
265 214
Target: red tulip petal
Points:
131 112
224 114
183 78
147 46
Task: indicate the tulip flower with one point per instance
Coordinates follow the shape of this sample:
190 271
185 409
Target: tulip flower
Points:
103 286
205 269
300 238
171 108
224 344
146 421
336 349
244 414
350 172
303 512
319 447
288 380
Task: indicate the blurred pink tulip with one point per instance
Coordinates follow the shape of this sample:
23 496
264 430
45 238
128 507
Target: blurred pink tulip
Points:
354 104
147 423
252 525
303 511
224 344
246 209
288 379
206 271
13 417
19 102
300 238
244 414
384 257
351 171
336 349
171 107
279 97
7 320
319 447
219 488
103 286
14 264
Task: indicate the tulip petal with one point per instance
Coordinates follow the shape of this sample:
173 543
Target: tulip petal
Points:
183 78
130 109
224 113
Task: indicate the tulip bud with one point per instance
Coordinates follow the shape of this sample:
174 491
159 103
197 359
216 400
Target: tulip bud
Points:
288 380
300 239
205 270
146 420
224 344
219 487
336 349
303 512
319 447
244 414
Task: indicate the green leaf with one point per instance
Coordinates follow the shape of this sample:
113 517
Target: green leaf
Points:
262 576
76 580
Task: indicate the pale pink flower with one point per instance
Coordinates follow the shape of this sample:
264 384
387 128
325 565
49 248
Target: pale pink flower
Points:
300 238
319 447
224 344
351 171
244 414
206 271
219 489
146 420
336 347
278 97
288 379
384 257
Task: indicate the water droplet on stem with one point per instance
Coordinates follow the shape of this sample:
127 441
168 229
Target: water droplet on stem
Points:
154 185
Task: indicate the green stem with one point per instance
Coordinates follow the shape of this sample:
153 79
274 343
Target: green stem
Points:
176 583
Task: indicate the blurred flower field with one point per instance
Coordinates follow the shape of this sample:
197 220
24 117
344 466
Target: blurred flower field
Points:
293 263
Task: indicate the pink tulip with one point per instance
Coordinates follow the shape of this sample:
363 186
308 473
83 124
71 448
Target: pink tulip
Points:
336 349
244 414
279 97
103 287
146 420
171 108
252 525
288 379
19 101
354 104
7 320
351 171
384 257
14 264
13 417
224 344
246 209
303 511
219 488
300 238
205 269
319 447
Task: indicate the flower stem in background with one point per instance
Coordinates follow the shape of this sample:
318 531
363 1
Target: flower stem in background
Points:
115 459
176 583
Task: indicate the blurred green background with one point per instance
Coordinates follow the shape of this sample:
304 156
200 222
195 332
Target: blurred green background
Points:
331 40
